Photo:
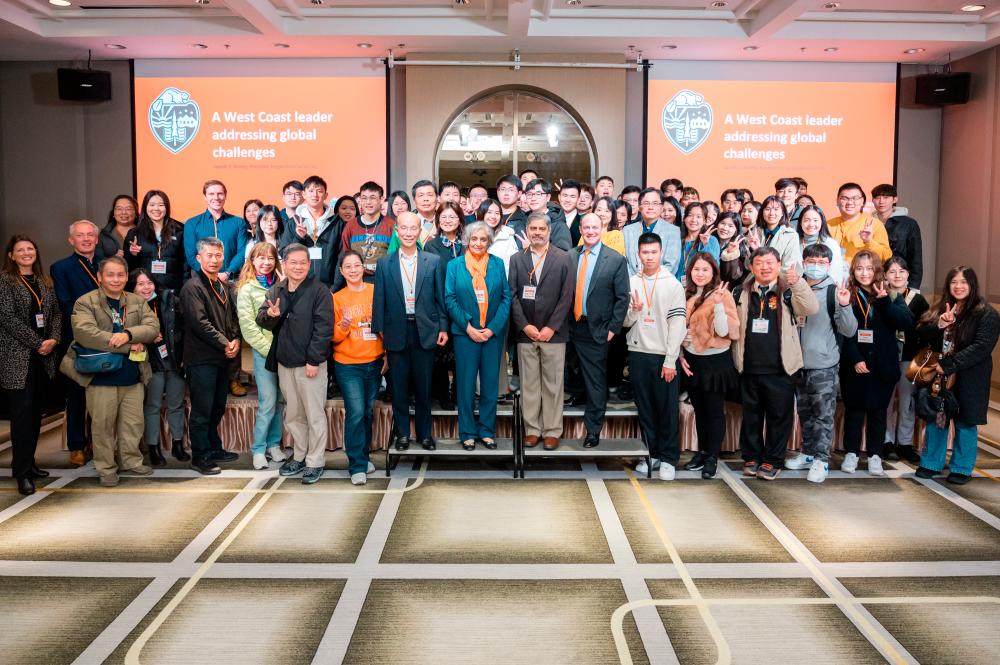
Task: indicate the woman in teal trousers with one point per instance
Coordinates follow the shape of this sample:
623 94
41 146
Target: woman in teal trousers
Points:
477 296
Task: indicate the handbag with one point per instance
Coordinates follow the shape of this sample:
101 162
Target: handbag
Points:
936 403
92 361
921 372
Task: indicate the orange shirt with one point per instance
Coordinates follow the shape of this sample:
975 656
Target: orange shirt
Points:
350 347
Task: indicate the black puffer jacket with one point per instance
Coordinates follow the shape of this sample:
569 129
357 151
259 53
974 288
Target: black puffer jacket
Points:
167 308
171 251
904 239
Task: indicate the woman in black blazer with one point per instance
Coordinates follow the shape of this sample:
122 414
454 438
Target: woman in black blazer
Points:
30 325
869 368
447 246
156 244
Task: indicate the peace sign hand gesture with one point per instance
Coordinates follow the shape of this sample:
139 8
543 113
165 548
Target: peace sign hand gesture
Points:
866 232
947 316
843 294
880 291
635 302
273 308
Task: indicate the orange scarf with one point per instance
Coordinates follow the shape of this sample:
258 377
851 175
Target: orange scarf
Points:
477 268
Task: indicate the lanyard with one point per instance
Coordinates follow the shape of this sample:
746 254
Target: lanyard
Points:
649 294
864 310
763 302
88 271
156 310
38 298
531 273
224 298
410 276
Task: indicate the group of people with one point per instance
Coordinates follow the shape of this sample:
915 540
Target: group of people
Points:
442 291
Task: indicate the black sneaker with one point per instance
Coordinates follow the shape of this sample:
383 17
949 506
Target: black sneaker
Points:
923 472
291 467
908 454
697 462
224 456
891 452
711 467
205 467
958 478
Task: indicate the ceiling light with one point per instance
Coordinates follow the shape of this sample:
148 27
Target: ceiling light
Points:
363 45
750 48
117 47
719 4
199 46
552 132
280 45
831 49
202 2
60 3
669 47
973 8
574 3
831 5
911 51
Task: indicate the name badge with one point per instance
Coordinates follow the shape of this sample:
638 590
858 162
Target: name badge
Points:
648 321
162 349
800 321
411 304
39 320
866 336
137 356
315 253
760 326
529 292
366 332
480 296
158 267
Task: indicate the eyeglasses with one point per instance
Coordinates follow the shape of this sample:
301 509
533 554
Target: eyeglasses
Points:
506 190
536 194
650 204
851 199
125 209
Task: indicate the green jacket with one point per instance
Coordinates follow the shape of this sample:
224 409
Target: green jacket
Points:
250 299
92 326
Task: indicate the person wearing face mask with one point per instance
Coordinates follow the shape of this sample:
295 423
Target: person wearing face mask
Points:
813 230
165 362
820 336
156 244
901 416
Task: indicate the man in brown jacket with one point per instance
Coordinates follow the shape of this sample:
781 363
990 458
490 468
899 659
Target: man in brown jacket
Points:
109 319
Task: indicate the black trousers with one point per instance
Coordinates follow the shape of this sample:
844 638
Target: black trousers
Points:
592 357
709 418
854 422
414 364
209 390
656 401
26 407
767 399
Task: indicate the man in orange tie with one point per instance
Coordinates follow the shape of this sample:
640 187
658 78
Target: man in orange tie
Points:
599 306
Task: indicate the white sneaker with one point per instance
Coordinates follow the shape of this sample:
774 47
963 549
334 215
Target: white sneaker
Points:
818 471
850 463
276 454
799 462
371 468
666 471
642 468
875 466
259 461
359 478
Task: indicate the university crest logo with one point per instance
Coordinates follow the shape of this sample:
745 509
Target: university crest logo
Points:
174 119
687 121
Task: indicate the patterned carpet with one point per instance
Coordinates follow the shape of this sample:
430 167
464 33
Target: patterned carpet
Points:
455 562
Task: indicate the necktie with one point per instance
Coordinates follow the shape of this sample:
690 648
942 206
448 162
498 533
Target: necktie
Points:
581 276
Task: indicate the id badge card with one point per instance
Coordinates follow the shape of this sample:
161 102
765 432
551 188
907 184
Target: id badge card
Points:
39 320
529 292
648 321
158 267
137 356
366 332
411 304
162 350
865 336
760 326
480 296
315 253
800 321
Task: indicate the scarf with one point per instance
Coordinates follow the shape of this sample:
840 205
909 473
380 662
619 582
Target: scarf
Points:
266 280
477 268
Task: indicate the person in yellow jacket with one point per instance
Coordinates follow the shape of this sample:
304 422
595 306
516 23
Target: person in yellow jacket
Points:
856 230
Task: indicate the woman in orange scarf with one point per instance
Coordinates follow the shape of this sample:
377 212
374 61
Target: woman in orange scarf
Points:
477 296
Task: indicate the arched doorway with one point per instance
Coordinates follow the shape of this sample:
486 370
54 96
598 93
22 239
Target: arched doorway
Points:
510 130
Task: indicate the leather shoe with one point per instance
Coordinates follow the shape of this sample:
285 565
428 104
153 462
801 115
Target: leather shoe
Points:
177 450
530 441
35 472
77 458
550 443
224 456
591 441
156 456
428 444
25 486
402 442
236 389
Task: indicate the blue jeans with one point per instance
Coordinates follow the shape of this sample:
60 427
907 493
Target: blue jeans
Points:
267 428
963 451
359 384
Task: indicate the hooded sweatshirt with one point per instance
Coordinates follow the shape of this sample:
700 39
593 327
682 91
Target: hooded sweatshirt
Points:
819 342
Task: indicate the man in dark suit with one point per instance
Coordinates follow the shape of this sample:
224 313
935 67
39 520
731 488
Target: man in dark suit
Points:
601 299
408 310
542 286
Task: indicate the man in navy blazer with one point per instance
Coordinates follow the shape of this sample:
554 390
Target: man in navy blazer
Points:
600 302
408 310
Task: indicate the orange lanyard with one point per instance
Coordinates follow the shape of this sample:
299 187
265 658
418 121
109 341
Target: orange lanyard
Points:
410 276
156 310
763 301
224 298
38 298
88 271
864 310
541 258
649 294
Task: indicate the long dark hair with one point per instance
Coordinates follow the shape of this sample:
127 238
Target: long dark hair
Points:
111 213
144 229
270 210
694 205
733 217
11 268
973 305
761 222
484 208
134 276
346 197
691 290
878 272
398 194
824 230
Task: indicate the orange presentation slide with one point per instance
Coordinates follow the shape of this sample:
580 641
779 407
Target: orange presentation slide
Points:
713 135
256 133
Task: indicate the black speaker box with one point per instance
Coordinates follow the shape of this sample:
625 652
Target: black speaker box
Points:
940 89
84 85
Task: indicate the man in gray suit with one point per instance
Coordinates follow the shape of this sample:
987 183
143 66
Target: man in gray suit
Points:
542 285
601 298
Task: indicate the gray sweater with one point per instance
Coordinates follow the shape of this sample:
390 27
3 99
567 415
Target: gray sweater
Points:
819 343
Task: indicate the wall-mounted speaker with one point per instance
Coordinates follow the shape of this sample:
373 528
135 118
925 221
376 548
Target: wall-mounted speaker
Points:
941 89
84 85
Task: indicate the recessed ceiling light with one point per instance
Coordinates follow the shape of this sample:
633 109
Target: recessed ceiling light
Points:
574 3
60 3
911 51
117 47
202 2
719 4
669 47
831 49
973 8
199 46
831 5
750 48
364 45
280 45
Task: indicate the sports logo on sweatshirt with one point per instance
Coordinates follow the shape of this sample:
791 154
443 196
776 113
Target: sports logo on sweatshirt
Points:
687 120
174 119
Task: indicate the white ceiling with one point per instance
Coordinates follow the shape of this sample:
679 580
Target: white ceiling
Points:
859 30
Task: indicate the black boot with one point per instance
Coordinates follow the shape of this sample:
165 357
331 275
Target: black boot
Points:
25 486
156 456
177 450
